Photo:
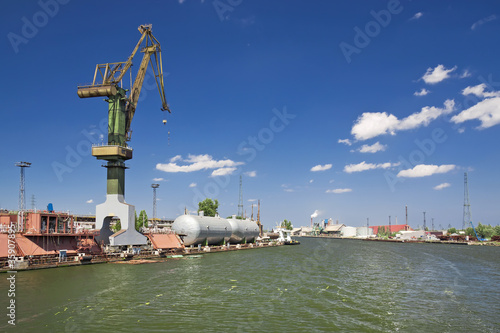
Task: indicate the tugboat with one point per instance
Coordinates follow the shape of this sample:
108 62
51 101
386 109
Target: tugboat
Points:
292 242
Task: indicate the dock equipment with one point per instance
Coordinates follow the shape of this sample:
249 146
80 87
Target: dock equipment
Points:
121 109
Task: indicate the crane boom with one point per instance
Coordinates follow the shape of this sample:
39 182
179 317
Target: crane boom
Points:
108 76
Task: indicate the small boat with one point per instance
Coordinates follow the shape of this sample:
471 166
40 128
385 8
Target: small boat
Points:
292 242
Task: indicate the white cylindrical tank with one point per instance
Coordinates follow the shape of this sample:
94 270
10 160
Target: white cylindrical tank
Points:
364 232
243 230
202 229
348 232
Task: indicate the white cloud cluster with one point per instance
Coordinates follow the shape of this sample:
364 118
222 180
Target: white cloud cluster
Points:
345 141
339 190
483 21
363 166
438 74
320 167
199 162
442 186
158 179
372 148
192 185
315 214
424 170
417 16
251 173
487 111
373 124
89 201
422 92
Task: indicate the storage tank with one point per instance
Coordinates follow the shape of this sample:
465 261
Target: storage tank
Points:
364 231
202 229
348 232
243 230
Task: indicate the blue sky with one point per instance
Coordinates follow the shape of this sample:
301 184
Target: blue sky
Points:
336 109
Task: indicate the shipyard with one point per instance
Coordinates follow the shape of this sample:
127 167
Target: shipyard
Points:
249 166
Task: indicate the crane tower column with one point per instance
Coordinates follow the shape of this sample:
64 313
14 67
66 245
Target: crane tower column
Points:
121 109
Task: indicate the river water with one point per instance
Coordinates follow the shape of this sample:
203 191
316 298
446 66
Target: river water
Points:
322 285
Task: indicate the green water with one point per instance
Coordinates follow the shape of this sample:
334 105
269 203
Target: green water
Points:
318 286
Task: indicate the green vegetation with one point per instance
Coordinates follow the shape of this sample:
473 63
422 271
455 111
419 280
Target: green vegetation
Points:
483 231
142 220
117 227
208 207
384 232
287 224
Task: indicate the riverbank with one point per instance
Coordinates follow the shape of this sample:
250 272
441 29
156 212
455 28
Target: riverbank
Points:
408 241
142 258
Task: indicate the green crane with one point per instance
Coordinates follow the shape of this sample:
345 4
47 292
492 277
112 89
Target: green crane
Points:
121 108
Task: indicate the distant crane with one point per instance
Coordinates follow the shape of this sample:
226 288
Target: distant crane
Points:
121 110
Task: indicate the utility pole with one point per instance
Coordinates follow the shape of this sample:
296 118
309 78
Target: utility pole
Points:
389 224
424 221
406 208
432 224
240 201
154 186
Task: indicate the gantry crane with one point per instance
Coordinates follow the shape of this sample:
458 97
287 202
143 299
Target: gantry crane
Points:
121 109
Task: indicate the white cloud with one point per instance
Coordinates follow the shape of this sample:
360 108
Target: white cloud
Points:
251 173
483 21
373 124
89 201
223 172
158 179
479 91
176 158
311 181
339 190
345 141
424 170
331 181
288 190
487 111
363 166
192 185
315 214
372 148
320 167
199 162
252 200
438 74
417 16
441 186
422 92
465 74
